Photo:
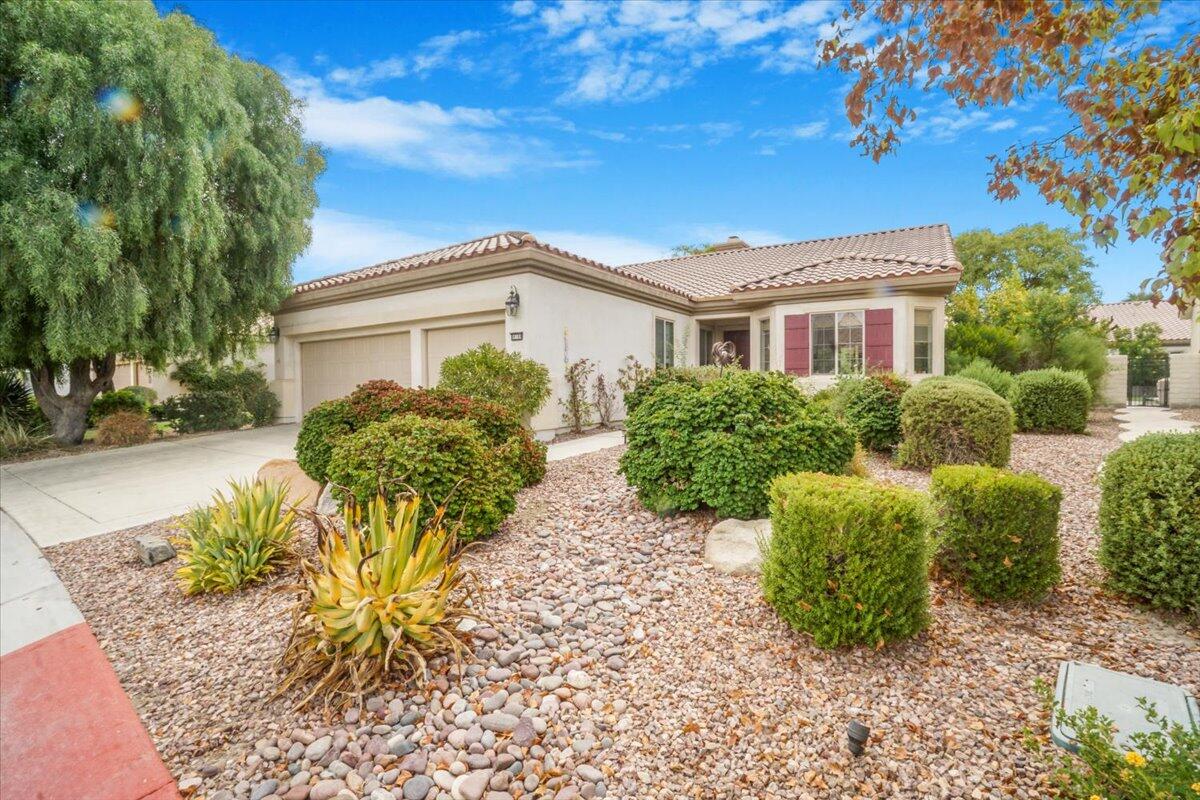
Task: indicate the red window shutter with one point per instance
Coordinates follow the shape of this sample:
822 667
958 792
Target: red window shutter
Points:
795 344
879 339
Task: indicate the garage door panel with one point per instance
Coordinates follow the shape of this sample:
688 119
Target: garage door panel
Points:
441 343
331 368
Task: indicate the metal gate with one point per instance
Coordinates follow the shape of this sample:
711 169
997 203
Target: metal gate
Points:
1149 380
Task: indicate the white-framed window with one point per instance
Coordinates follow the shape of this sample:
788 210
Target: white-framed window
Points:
837 343
764 345
923 341
664 343
706 345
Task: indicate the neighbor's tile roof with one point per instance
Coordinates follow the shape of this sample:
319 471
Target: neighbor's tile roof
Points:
1133 313
883 254
907 251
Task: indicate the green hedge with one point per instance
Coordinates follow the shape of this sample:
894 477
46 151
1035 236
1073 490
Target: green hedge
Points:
721 444
379 400
206 410
127 399
997 531
519 384
985 372
872 407
247 383
954 421
688 376
440 459
848 559
1150 520
1051 401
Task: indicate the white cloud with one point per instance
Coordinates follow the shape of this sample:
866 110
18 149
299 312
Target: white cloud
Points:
805 130
1001 125
343 241
522 8
420 135
433 53
720 231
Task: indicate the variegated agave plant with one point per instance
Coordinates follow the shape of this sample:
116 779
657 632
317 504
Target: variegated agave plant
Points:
235 541
382 598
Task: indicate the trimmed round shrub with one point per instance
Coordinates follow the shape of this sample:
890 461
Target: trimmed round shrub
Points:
124 428
445 461
954 421
848 559
997 531
985 372
1150 520
323 425
721 444
1051 401
659 377
872 407
120 400
519 384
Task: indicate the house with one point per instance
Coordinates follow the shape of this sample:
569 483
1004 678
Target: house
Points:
1173 381
813 309
1178 328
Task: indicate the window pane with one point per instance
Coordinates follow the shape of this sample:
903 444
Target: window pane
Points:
706 343
922 341
823 344
664 343
764 345
850 343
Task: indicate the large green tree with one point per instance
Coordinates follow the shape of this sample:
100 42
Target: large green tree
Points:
154 192
1126 155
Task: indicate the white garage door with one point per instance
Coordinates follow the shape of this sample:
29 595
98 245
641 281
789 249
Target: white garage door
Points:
441 343
332 368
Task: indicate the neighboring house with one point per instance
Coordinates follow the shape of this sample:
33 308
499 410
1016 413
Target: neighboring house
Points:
813 309
1178 328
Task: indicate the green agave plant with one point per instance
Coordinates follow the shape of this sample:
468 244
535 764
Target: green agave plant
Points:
381 599
235 541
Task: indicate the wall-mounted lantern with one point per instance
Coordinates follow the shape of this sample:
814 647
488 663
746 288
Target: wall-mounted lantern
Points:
273 334
513 303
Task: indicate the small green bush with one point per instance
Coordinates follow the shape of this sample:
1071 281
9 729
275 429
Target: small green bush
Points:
123 428
323 425
1161 761
445 461
720 444
1051 401
985 372
144 392
247 383
872 407
689 376
997 531
1150 520
954 421
848 559
519 384
206 410
120 400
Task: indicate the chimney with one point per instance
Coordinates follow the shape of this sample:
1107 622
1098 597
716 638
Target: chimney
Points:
732 243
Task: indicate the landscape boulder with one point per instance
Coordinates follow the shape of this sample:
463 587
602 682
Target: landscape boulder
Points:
153 549
733 545
302 491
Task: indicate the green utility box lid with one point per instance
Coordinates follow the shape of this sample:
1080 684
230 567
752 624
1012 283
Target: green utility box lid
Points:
1115 695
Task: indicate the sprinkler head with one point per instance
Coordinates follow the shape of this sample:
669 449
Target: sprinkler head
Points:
857 735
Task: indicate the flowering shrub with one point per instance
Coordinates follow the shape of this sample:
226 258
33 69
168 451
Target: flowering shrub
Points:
1164 763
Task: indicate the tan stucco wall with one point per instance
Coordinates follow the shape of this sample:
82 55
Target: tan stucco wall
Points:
1185 380
1114 384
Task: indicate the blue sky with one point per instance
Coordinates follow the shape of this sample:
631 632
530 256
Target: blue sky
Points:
615 131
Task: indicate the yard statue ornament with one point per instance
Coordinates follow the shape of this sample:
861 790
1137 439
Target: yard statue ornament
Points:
724 354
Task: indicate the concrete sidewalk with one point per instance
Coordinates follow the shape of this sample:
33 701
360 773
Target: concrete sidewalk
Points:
67 729
76 496
1136 421
585 444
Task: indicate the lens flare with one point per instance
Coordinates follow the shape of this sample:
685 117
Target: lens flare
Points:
120 104
95 216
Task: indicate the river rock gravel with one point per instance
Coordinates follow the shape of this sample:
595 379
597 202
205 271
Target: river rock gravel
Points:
612 662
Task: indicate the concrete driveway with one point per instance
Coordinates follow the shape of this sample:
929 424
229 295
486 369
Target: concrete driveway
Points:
72 497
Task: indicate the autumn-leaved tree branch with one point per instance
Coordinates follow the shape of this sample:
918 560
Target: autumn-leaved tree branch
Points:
1127 160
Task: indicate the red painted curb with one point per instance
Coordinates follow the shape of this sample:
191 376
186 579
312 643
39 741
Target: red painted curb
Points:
67 729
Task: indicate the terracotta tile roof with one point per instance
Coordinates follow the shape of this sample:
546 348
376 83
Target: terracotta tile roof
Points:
904 251
1133 313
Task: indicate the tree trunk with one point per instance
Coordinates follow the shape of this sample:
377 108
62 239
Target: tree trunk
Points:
68 412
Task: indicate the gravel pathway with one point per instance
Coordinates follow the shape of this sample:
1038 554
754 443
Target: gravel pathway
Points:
620 666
